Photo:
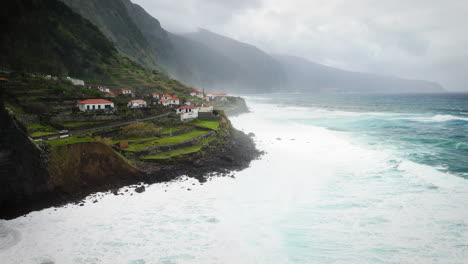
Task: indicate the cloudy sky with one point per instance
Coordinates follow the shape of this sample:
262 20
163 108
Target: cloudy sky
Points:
421 39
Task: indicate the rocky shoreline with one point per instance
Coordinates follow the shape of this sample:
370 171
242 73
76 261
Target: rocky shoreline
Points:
220 159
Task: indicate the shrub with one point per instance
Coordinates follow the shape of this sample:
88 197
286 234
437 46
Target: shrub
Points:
140 129
104 140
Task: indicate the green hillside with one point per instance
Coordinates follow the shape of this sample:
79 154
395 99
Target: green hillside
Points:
47 37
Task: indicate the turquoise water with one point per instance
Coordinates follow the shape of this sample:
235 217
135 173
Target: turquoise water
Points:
345 179
430 129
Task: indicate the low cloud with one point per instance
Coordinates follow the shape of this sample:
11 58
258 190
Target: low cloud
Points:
412 39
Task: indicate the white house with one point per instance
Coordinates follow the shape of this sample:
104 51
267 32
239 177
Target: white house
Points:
205 109
155 95
166 96
174 101
126 91
76 82
104 89
212 96
187 112
193 93
164 102
95 105
137 104
187 103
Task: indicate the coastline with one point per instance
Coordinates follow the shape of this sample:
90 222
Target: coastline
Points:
221 158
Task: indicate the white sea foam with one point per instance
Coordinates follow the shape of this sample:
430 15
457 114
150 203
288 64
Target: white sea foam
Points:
317 196
437 118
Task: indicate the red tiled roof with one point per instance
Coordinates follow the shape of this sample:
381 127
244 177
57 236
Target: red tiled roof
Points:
187 107
155 94
3 79
176 99
167 95
197 89
137 101
95 101
163 100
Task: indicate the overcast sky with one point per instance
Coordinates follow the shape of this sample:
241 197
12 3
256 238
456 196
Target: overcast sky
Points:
421 39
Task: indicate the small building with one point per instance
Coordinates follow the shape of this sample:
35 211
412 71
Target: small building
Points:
205 109
174 101
213 96
166 96
95 105
187 112
164 102
198 91
137 104
76 82
125 91
193 93
187 103
155 95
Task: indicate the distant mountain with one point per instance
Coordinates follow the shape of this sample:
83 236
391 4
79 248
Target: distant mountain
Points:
229 64
307 76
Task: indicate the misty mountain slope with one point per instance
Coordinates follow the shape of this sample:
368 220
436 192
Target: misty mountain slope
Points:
260 72
114 20
307 76
209 69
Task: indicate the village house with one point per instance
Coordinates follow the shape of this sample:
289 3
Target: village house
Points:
174 101
187 103
216 96
125 91
137 104
101 88
198 91
95 105
76 82
155 95
193 93
187 112
166 96
205 109
164 102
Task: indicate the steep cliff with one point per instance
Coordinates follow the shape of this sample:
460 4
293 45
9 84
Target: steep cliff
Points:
23 165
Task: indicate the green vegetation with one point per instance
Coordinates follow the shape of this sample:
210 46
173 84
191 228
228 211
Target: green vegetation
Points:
71 140
166 140
41 133
39 130
140 129
170 154
214 125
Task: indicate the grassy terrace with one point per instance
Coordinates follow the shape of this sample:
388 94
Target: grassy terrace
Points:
166 140
38 130
214 125
70 140
170 154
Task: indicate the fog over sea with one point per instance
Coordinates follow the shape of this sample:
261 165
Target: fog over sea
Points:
349 179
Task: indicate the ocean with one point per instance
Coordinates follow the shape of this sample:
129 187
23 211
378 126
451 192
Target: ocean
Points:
349 179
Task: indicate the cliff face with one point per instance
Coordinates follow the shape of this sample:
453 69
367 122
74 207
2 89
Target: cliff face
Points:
89 166
23 165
